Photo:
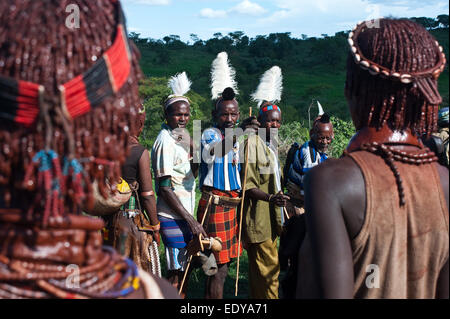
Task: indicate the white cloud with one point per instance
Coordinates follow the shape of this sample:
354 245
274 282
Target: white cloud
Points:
247 7
149 2
134 29
212 14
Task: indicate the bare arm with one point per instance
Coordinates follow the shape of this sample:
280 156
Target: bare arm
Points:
443 280
147 196
176 206
443 283
330 243
277 199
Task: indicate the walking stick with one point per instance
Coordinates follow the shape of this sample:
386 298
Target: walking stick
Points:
190 257
242 208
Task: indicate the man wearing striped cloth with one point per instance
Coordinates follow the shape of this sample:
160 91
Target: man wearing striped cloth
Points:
220 184
309 155
175 175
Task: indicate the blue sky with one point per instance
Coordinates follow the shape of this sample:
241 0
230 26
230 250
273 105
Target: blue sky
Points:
158 18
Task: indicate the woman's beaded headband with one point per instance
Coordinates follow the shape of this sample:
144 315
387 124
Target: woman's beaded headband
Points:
20 100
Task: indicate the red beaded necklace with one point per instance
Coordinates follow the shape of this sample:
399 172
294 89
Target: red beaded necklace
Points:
20 100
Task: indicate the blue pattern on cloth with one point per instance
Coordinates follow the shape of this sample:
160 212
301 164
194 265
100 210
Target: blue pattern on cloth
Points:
303 163
175 233
219 172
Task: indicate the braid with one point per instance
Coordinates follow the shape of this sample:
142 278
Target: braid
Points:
400 46
36 46
393 71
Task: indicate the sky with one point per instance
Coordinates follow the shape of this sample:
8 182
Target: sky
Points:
159 18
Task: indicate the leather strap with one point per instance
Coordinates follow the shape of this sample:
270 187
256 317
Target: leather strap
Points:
221 200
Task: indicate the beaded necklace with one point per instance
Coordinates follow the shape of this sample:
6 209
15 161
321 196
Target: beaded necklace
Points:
108 275
383 143
21 101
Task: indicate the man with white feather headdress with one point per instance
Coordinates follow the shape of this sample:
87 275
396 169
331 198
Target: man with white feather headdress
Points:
220 172
175 180
264 200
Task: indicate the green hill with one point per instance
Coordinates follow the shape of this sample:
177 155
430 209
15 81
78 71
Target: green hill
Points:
313 68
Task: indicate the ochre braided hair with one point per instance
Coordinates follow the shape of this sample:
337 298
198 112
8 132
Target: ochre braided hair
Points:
38 241
401 47
392 70
36 46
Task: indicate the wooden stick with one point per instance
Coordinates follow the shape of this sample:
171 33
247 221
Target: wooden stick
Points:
285 212
190 257
242 208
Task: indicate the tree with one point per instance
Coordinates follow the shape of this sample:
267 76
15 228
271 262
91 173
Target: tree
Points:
194 37
304 36
134 36
236 37
428 23
443 20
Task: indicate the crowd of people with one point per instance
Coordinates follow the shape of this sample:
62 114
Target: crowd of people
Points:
71 117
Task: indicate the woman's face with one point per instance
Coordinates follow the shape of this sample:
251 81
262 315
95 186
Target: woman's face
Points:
178 115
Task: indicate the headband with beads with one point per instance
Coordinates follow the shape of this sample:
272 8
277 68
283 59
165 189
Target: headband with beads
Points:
269 90
420 78
21 101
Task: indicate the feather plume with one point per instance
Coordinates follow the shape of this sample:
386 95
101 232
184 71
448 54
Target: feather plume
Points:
320 108
222 76
270 87
180 84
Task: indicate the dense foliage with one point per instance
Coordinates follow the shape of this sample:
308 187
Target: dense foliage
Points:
313 69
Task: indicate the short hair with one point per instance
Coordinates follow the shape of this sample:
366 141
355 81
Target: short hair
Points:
324 119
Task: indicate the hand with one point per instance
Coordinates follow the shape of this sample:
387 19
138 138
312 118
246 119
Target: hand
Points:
197 228
279 199
183 137
250 123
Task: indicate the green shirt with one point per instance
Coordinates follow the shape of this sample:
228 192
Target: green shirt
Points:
262 221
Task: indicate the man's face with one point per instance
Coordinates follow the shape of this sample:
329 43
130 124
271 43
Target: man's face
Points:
178 115
271 119
322 136
227 114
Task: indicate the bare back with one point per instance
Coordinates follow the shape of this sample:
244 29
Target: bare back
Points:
335 201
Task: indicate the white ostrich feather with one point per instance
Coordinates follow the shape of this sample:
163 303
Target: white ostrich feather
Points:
180 84
222 75
270 87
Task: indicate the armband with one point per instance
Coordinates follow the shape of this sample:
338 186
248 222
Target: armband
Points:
165 183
